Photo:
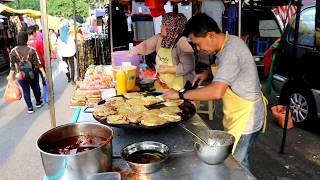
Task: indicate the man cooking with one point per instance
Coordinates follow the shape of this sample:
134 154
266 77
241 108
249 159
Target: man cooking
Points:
235 81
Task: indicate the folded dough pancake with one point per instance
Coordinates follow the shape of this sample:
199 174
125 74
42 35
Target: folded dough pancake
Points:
176 102
170 117
117 119
155 112
152 120
138 109
136 102
170 109
134 118
133 95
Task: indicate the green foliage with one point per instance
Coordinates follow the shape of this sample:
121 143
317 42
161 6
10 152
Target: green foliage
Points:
63 8
25 4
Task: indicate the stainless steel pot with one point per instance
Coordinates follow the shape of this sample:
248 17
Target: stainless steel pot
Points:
80 165
218 148
141 146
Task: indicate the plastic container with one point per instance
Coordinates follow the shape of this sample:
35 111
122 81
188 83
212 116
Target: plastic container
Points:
131 73
122 56
279 114
121 82
142 69
105 176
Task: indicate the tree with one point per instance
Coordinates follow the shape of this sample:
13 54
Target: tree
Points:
63 8
25 4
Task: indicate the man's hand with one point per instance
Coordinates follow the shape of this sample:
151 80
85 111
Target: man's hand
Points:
170 94
201 77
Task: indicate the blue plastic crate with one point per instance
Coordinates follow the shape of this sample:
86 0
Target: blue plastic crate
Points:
261 46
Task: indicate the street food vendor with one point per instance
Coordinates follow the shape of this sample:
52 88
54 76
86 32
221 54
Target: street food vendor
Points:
175 60
235 81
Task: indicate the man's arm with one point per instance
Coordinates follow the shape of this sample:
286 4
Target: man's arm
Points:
215 90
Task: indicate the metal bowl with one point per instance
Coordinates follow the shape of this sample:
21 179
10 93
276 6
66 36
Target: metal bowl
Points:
146 84
218 148
143 146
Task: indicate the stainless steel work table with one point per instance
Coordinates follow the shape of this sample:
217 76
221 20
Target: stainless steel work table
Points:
183 163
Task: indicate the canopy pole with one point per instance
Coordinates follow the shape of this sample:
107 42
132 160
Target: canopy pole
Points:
110 26
239 18
290 85
44 22
76 36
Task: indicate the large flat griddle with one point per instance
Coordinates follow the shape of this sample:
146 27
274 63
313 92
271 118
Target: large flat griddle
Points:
188 111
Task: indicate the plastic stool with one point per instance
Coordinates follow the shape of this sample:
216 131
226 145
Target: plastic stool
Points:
209 111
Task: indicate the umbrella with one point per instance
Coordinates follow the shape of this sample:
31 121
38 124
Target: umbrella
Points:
2 17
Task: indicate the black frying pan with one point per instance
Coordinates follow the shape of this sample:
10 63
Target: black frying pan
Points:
188 111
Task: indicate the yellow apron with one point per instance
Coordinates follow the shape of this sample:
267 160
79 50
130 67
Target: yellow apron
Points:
237 111
164 57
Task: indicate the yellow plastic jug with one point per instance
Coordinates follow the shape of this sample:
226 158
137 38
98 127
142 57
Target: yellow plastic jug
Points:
121 82
130 72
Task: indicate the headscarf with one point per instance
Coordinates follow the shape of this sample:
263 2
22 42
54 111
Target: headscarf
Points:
175 24
64 32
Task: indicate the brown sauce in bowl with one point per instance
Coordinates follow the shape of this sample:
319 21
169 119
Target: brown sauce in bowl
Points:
145 157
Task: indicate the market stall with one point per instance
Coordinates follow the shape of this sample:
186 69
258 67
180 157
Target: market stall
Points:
183 161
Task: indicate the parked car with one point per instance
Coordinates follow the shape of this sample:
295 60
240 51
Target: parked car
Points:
303 88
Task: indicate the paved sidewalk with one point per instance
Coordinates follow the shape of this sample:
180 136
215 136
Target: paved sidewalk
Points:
19 157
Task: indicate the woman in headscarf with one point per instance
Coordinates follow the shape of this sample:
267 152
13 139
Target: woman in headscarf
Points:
175 60
67 50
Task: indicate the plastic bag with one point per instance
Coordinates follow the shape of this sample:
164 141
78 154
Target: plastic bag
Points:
12 92
63 66
279 113
45 92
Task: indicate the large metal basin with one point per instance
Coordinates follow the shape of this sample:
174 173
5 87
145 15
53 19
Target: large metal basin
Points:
218 148
80 165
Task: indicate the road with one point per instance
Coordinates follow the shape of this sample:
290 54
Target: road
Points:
301 160
20 159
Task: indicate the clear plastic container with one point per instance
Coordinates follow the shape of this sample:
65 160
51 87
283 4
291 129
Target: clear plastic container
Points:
105 176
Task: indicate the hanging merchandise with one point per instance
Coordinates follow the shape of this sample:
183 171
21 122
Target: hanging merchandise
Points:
95 51
214 9
185 9
139 8
119 28
156 7
142 27
230 18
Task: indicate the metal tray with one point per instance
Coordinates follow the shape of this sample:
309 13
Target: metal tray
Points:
188 111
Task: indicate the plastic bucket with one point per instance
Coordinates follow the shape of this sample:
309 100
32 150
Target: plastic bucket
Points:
131 74
122 56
